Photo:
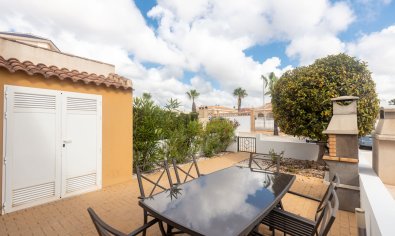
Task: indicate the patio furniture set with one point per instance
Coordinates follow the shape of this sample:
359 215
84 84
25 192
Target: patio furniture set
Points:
232 201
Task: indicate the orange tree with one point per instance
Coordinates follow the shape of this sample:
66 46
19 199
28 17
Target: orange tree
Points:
301 97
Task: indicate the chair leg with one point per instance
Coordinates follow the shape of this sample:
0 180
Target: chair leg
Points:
145 222
162 229
169 229
281 206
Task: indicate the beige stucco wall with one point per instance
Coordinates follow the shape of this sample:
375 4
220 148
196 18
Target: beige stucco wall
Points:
117 121
384 160
24 52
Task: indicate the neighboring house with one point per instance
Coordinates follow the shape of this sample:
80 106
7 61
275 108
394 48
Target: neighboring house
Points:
208 111
67 123
205 112
261 118
31 40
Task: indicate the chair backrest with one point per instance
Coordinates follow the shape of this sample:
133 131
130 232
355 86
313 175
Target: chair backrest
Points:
256 157
332 185
188 173
103 228
154 180
328 214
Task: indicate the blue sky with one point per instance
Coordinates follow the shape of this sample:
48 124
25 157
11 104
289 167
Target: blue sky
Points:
168 47
371 16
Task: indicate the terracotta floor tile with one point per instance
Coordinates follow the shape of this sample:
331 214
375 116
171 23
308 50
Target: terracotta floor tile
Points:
118 206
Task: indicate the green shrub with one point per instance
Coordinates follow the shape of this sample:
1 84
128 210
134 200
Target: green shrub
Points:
147 132
217 136
164 133
274 155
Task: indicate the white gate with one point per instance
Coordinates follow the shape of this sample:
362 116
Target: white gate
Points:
52 145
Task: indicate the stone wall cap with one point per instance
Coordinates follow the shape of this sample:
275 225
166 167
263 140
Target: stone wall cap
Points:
345 98
340 132
385 137
388 109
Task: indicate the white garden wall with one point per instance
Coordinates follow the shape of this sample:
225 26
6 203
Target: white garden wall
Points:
292 147
244 122
376 200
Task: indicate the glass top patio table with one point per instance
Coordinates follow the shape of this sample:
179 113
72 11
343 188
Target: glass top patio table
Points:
231 201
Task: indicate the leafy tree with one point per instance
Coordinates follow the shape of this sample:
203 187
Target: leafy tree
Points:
391 102
192 95
240 94
301 97
271 82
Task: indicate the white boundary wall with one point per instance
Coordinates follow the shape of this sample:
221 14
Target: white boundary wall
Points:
376 200
244 122
293 147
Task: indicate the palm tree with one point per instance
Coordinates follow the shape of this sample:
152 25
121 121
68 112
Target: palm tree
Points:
192 94
265 83
272 82
172 104
147 96
240 94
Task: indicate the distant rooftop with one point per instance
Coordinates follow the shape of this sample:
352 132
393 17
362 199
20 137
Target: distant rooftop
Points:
30 39
26 35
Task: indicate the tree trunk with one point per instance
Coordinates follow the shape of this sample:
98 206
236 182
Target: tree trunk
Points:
193 106
238 104
275 128
321 151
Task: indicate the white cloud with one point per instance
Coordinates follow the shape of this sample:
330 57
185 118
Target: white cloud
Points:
117 23
202 36
310 47
378 50
213 35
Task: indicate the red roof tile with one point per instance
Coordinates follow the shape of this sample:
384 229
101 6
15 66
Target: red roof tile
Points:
112 80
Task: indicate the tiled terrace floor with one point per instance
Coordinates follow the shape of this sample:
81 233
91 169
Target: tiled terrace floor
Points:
118 206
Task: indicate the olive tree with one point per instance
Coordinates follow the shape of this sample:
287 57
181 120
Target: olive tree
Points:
302 97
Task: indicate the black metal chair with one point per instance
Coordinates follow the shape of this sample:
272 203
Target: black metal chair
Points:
296 225
273 159
335 180
188 173
103 229
163 172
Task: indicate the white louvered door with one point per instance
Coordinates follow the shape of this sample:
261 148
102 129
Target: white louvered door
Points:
31 146
81 162
52 145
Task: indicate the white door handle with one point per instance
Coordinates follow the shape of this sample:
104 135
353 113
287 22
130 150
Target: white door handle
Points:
67 141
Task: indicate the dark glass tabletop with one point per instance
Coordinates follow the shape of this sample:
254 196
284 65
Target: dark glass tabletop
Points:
227 202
